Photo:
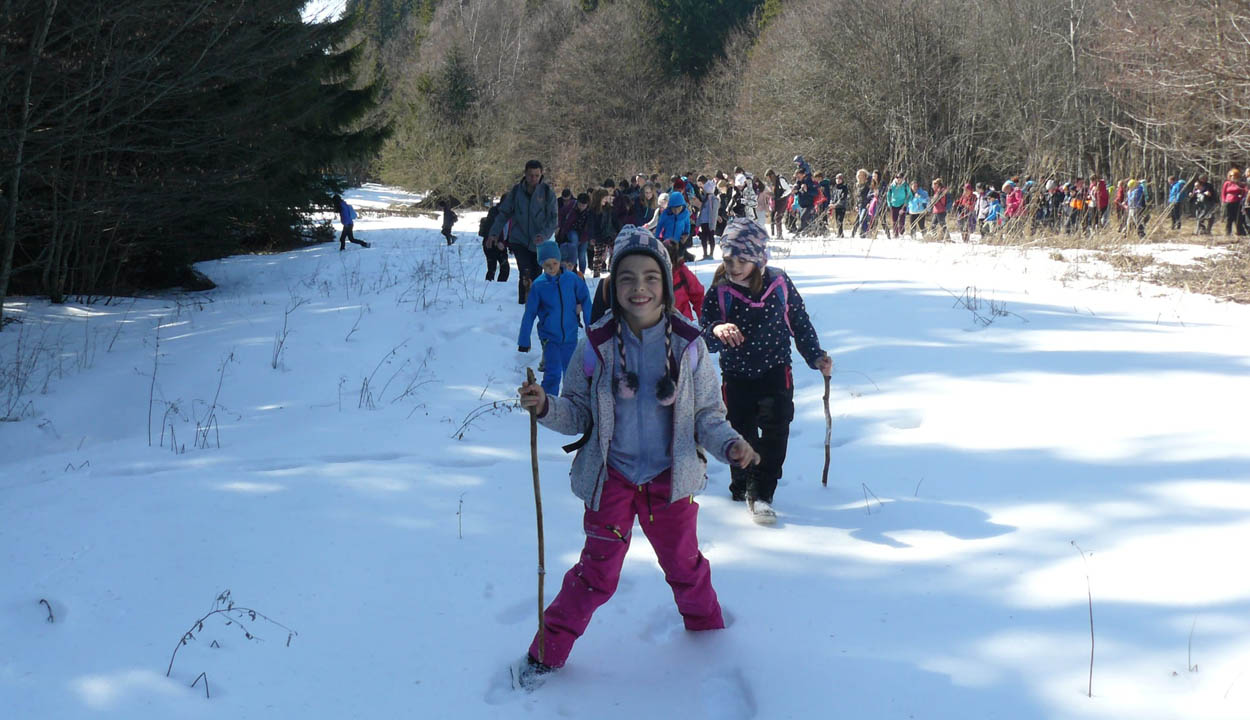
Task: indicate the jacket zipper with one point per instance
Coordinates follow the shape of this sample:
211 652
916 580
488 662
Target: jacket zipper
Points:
564 338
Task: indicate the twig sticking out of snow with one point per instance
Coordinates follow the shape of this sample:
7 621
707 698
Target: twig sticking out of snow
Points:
1090 593
225 607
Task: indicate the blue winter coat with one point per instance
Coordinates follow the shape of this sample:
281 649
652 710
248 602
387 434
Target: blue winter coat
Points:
1174 193
347 213
918 203
553 302
671 227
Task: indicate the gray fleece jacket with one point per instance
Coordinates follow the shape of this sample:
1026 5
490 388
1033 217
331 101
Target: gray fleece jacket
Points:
588 403
532 215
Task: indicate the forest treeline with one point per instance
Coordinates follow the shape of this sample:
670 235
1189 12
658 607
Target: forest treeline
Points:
139 136
958 88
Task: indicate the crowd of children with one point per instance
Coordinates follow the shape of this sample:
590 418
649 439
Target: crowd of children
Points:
1030 206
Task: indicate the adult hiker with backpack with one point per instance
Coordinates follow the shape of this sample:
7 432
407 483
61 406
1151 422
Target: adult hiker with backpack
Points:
750 313
529 216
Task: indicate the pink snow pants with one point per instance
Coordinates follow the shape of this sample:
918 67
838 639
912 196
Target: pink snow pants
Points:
590 583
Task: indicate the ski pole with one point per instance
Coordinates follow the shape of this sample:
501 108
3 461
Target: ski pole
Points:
824 475
538 508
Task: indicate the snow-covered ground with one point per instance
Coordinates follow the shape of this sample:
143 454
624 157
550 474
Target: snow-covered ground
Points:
993 412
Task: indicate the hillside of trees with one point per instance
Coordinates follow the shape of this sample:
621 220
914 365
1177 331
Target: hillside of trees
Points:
958 88
139 136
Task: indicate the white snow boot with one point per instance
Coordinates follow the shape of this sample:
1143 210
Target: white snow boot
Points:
761 512
528 674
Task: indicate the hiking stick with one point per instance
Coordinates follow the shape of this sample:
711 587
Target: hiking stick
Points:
538 508
824 475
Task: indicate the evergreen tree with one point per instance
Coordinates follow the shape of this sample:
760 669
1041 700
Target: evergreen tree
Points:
142 135
692 32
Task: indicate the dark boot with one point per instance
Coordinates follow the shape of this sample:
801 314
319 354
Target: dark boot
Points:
741 483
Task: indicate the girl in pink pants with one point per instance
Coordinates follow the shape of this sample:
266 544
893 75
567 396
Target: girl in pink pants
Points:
640 390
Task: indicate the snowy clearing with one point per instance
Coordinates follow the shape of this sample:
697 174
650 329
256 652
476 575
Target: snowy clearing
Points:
299 437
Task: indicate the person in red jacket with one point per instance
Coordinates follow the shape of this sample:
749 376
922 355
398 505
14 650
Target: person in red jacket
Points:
687 290
1101 199
1232 194
940 198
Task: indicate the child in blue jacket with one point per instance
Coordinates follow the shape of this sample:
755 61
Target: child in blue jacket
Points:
555 300
347 214
674 223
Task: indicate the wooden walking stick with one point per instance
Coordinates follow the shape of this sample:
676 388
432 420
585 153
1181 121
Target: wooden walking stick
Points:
824 475
538 508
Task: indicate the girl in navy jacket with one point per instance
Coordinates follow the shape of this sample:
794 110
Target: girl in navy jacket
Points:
749 315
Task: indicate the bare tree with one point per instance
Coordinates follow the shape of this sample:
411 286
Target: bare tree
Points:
1183 77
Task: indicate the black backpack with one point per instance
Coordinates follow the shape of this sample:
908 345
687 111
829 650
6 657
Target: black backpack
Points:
483 227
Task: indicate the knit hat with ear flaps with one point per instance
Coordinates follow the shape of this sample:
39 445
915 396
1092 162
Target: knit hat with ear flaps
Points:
632 240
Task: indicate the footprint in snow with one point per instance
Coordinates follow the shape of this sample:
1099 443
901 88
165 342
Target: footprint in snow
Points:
500 691
662 626
906 421
726 695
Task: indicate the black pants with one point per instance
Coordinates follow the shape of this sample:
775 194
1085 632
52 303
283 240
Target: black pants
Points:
527 269
760 409
707 239
1232 217
496 258
346 236
447 234
778 219
1176 216
839 216
915 221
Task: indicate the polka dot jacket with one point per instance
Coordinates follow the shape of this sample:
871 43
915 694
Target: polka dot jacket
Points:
763 324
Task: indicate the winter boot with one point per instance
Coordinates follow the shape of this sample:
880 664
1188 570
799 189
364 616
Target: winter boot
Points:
761 512
741 483
528 674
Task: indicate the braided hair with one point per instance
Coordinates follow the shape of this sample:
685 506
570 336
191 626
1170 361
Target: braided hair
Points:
626 382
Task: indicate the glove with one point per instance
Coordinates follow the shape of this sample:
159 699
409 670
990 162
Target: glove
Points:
523 348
